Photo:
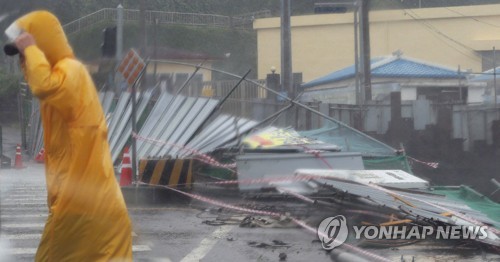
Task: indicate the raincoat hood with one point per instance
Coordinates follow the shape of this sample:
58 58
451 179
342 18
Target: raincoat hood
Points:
48 33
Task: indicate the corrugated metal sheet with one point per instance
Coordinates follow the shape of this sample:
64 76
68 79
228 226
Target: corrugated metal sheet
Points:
35 128
108 102
118 142
154 117
178 115
188 127
116 130
193 118
219 132
210 130
101 97
118 112
173 123
166 112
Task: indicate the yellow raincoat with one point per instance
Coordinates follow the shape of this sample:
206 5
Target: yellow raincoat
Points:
87 220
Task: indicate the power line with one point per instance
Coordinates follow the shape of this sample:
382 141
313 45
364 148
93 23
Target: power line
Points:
437 32
440 33
473 18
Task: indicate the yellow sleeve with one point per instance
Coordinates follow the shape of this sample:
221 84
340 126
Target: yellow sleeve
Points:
57 85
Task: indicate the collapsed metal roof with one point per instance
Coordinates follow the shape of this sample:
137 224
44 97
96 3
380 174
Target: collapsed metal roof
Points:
417 204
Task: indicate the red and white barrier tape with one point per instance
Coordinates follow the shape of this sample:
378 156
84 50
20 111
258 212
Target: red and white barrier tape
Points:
200 156
317 154
209 160
375 257
429 164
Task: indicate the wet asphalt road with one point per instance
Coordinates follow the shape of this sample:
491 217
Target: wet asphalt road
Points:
173 228
162 232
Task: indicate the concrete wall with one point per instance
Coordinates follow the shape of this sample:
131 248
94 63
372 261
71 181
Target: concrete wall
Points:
322 44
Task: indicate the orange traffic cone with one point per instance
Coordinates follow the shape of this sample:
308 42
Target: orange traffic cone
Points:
19 158
40 157
126 174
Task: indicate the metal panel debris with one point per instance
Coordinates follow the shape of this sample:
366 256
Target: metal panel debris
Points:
221 131
108 102
260 165
392 178
421 205
118 144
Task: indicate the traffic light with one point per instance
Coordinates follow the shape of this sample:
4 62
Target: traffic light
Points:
108 47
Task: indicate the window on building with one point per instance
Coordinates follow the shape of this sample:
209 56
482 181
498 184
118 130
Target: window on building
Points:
443 94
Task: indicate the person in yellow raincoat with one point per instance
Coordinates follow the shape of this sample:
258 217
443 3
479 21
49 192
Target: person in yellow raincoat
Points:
88 219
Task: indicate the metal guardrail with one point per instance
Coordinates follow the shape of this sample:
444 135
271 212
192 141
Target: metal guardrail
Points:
246 90
193 19
240 102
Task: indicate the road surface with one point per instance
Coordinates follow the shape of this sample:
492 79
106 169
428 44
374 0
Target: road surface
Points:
169 232
176 229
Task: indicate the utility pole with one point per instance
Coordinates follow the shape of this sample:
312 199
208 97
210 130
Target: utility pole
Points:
460 97
143 40
286 48
155 47
494 77
119 32
23 93
359 100
142 26
365 50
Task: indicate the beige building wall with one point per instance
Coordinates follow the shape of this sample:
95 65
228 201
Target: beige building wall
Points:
324 43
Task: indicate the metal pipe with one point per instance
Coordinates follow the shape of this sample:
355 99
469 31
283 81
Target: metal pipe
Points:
494 77
197 68
189 78
280 95
155 46
218 107
262 122
119 32
460 85
356 53
494 181
134 126
275 115
365 50
232 89
286 48
20 115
